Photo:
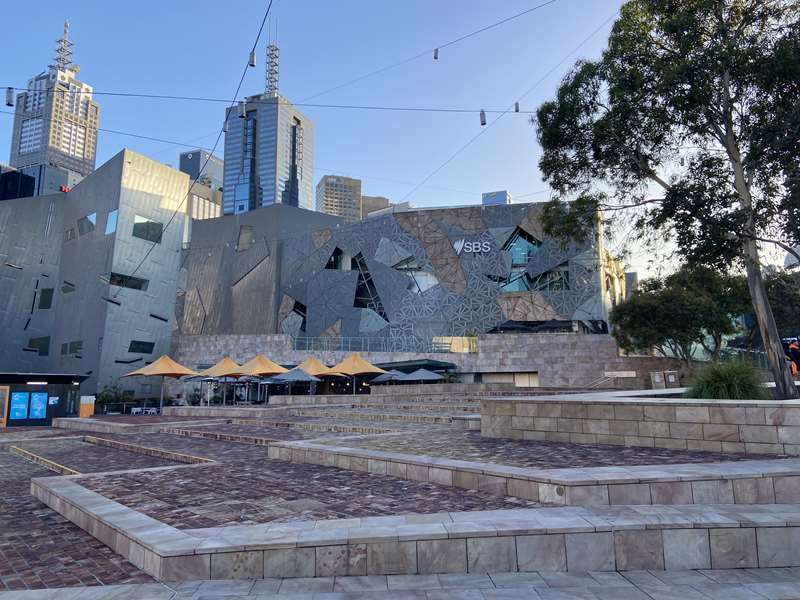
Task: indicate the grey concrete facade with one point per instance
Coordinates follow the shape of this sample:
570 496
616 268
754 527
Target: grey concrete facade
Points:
66 260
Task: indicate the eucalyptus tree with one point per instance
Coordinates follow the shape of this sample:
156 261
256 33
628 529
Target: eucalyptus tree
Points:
699 101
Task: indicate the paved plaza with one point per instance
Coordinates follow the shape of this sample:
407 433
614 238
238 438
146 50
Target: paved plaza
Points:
213 476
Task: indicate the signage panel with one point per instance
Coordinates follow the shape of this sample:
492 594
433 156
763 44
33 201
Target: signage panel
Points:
19 406
38 408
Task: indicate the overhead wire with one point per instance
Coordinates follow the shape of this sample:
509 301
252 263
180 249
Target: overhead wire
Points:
216 143
484 129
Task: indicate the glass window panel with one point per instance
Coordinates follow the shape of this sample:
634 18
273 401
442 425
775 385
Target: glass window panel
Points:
46 298
140 347
86 224
147 229
245 238
127 281
41 344
69 234
111 222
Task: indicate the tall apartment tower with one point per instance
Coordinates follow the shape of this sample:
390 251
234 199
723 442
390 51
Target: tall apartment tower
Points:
202 166
55 125
269 150
340 196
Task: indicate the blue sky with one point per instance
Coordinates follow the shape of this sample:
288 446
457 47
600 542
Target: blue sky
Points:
199 48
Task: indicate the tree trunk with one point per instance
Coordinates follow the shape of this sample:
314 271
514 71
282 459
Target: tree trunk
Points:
784 384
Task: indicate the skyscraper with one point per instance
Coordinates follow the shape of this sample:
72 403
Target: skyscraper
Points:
55 125
195 161
340 196
269 151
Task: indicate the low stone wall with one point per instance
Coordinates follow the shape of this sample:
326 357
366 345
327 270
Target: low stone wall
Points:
538 539
749 427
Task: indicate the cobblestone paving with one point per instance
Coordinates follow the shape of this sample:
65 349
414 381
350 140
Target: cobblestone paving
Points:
469 445
14 434
41 549
89 458
251 488
148 419
346 420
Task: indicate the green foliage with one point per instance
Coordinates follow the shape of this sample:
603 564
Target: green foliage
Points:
112 394
692 306
735 380
783 290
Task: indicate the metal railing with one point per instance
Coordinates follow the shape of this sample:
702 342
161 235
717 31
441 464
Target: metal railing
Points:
443 345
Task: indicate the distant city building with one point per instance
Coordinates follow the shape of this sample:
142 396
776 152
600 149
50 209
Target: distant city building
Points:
340 196
269 151
791 261
202 203
195 161
54 138
496 198
370 204
15 184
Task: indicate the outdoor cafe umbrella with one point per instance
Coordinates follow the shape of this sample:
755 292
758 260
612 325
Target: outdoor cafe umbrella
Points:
261 366
163 367
296 375
355 365
422 375
393 375
224 368
315 367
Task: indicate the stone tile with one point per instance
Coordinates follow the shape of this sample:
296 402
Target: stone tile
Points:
486 555
731 415
265 586
686 549
673 592
302 585
413 582
174 568
671 492
776 591
357 559
237 565
517 580
712 492
753 491
787 489
331 560
692 414
733 548
778 546
369 583
587 495
568 580
765 434
289 562
590 551
442 556
629 494
392 558
638 550
727 591
466 580
541 552
225 588
721 433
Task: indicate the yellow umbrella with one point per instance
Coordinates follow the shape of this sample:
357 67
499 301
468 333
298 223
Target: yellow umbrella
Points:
355 365
224 368
261 366
314 367
163 367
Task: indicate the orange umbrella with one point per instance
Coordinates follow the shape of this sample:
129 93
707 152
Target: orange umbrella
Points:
314 367
355 365
261 366
224 368
163 367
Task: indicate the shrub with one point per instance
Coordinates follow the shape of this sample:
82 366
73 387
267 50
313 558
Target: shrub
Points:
734 380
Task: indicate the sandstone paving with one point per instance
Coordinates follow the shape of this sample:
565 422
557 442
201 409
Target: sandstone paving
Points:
245 433
470 446
771 584
41 549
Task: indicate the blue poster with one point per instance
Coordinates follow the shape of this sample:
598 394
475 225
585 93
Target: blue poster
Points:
19 406
38 405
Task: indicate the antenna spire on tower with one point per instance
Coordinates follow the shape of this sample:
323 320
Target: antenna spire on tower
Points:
63 57
272 69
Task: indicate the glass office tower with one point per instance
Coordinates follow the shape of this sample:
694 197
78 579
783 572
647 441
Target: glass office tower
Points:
269 155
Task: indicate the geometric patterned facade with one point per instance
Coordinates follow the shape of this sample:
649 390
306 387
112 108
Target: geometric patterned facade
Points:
415 274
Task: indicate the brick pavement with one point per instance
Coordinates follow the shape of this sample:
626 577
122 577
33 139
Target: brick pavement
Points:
470 446
232 432
255 489
87 458
41 549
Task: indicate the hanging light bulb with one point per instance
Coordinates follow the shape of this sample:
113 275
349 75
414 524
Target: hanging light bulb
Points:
483 117
9 96
435 54
252 61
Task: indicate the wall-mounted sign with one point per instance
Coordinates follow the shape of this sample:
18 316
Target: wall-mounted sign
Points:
464 247
53 401
18 409
38 408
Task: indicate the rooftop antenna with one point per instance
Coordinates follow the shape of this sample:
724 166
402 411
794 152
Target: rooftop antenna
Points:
272 70
63 57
